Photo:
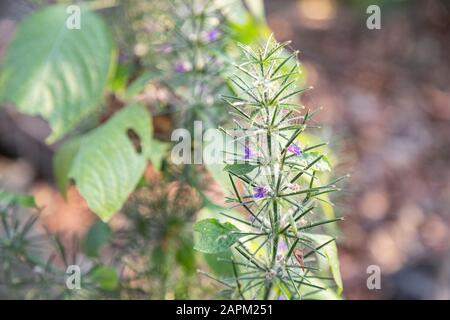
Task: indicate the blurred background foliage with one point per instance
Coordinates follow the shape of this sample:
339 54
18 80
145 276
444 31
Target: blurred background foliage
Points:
386 99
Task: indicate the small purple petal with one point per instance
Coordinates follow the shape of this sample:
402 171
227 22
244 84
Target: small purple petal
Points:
282 247
260 192
248 153
212 35
295 149
281 297
181 67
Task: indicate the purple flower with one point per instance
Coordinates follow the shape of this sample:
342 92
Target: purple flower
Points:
212 35
181 67
282 250
295 149
248 153
260 192
282 247
281 297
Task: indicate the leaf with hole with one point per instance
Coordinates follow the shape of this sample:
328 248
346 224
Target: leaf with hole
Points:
107 163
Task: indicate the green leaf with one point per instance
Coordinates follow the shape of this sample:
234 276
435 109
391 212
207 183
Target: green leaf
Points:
331 253
105 277
97 236
157 152
211 236
22 200
248 29
107 166
55 72
119 79
240 169
219 267
62 163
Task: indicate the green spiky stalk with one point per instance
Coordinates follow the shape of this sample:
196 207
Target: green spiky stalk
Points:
276 186
191 50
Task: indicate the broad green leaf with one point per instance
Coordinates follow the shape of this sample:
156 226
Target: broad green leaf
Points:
331 253
157 152
211 236
96 237
105 277
107 166
55 72
249 30
247 21
62 163
22 200
219 267
119 79
240 169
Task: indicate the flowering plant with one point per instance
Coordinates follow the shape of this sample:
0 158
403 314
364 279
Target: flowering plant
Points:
275 185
